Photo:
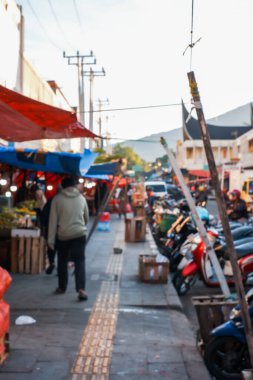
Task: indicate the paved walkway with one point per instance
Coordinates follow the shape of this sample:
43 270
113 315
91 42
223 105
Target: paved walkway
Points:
126 330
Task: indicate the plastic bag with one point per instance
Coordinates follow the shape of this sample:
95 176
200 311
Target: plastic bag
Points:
24 320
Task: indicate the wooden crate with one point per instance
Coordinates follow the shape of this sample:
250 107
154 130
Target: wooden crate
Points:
4 341
152 272
211 311
135 229
139 211
27 255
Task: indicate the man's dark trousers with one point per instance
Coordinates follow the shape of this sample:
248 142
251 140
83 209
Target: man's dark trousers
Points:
73 250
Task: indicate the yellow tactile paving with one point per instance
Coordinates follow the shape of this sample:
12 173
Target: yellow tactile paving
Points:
94 356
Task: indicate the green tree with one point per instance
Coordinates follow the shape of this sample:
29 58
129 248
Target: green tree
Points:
118 152
128 153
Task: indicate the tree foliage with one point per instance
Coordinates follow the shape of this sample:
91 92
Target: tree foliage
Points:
120 151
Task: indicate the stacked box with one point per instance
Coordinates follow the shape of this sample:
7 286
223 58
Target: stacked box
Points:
104 222
28 254
151 271
135 229
139 211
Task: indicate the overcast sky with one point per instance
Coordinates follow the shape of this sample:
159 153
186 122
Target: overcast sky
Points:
140 44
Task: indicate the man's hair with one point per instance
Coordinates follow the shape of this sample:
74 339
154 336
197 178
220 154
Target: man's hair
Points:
69 182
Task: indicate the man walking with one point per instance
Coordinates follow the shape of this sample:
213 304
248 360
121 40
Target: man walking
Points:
69 216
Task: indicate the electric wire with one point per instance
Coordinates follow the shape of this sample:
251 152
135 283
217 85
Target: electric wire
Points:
120 109
192 15
59 25
78 17
124 139
42 27
191 44
134 108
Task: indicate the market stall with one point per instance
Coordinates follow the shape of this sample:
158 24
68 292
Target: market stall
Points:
21 243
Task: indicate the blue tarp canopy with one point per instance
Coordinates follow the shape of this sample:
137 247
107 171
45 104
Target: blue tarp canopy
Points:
102 171
51 162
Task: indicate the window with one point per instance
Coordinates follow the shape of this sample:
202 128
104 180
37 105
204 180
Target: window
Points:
224 152
251 146
199 152
189 152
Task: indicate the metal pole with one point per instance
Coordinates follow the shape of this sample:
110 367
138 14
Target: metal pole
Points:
201 227
79 61
223 213
91 105
100 122
79 86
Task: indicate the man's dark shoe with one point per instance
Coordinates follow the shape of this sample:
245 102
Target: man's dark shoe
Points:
50 269
59 291
82 296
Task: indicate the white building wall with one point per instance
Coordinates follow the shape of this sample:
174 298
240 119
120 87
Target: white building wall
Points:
198 159
10 19
17 73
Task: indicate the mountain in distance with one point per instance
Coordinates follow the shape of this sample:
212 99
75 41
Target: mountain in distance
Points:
149 147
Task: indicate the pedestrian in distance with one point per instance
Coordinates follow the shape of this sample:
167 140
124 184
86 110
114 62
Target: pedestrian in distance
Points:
51 253
201 196
68 219
237 208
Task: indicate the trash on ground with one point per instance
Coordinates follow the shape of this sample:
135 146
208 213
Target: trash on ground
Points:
25 320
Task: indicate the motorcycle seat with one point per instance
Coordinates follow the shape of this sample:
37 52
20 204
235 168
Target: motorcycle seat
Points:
237 242
244 249
241 232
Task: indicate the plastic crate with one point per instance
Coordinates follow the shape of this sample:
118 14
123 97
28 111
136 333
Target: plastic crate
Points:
103 226
105 217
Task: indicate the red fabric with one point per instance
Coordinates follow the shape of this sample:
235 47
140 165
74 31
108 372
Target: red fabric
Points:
4 321
200 173
24 119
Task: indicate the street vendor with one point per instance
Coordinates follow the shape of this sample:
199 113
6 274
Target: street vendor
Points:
40 202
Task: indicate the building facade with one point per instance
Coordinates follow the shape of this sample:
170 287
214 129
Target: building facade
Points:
227 141
17 73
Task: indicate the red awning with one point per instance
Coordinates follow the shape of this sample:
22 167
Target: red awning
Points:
25 119
199 173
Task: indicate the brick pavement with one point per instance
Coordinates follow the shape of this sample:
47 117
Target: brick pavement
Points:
126 330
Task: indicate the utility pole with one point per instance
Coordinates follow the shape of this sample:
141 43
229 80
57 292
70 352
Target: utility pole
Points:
100 104
92 74
79 60
223 213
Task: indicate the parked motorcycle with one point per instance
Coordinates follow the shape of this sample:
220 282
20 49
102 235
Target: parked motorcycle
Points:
226 354
195 263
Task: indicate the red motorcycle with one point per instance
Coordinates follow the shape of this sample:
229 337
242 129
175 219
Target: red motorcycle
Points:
195 263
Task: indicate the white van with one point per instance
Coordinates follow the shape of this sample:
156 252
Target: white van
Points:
158 187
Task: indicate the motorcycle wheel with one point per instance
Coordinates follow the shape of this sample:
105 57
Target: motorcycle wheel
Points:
182 284
226 357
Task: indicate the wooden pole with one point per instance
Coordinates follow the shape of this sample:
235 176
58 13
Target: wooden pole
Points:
201 227
223 212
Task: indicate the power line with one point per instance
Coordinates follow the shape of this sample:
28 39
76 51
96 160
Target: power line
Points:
78 17
136 108
42 27
123 139
122 109
59 25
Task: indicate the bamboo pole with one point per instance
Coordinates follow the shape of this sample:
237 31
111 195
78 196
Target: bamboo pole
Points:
223 212
200 225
